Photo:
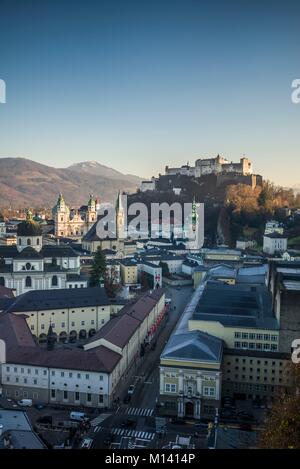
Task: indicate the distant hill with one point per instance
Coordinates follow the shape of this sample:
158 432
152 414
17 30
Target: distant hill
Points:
25 183
95 168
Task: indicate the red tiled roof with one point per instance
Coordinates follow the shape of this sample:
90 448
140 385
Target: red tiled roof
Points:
22 348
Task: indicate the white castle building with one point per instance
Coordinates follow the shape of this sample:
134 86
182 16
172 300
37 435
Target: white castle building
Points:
203 166
216 165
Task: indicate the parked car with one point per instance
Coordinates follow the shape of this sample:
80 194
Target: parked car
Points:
131 389
78 416
25 403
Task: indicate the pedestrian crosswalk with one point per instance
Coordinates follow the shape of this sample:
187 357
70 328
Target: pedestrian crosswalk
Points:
127 432
142 412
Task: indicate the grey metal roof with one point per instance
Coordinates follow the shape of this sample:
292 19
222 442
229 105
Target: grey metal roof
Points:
24 440
59 298
28 253
236 305
48 250
194 345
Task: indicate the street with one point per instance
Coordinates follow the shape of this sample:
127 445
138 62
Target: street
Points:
137 418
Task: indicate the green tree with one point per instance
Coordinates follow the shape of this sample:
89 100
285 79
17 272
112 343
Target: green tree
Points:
165 269
98 271
282 428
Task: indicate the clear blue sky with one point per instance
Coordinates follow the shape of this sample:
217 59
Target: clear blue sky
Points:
140 84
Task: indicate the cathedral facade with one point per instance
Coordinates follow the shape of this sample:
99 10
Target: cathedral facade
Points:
74 223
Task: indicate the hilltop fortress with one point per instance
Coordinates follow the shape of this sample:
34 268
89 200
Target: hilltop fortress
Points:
216 165
224 170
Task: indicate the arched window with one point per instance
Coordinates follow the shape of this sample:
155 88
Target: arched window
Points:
28 242
54 281
28 282
28 266
2 282
38 241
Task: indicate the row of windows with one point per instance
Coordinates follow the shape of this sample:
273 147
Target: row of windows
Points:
253 387
256 346
29 241
63 324
17 380
252 336
53 373
250 378
77 396
257 370
22 370
207 390
243 360
63 312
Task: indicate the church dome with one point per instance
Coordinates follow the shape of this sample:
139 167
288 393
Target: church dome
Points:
29 227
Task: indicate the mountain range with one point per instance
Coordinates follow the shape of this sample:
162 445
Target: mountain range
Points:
25 183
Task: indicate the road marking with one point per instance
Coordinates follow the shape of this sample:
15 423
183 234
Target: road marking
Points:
129 433
136 411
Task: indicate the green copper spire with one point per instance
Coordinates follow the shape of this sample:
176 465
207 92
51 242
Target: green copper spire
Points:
194 215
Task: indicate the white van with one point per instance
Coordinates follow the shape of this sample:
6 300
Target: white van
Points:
78 416
25 402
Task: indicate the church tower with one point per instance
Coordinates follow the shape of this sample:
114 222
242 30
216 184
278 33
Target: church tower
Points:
91 212
61 214
120 217
194 228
